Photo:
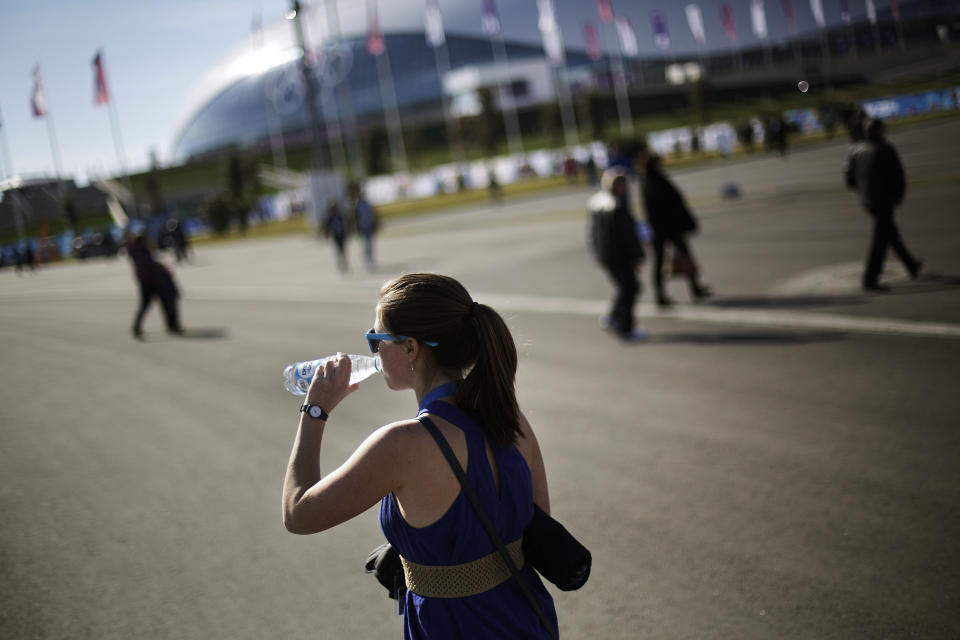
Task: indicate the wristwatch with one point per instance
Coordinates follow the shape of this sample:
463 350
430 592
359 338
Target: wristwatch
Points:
314 411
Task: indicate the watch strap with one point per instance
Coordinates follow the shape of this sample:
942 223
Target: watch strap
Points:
306 409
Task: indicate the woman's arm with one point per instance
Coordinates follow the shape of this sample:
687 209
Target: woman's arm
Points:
530 449
313 503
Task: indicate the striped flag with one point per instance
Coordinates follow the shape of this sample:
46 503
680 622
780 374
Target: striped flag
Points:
550 32
729 26
628 39
38 100
489 18
788 14
434 24
871 12
100 94
375 44
758 18
605 10
658 23
695 20
816 8
590 39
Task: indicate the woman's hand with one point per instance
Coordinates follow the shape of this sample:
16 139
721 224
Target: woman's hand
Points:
330 385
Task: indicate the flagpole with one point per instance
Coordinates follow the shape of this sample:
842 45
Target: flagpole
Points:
567 117
353 146
900 41
121 156
277 148
14 195
388 93
510 119
320 163
7 159
441 57
619 84
114 126
332 133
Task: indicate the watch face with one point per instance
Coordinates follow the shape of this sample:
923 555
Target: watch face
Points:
315 411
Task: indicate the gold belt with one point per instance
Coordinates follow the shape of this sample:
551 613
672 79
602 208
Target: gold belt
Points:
461 580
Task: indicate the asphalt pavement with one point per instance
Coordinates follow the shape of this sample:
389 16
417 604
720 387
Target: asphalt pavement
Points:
780 462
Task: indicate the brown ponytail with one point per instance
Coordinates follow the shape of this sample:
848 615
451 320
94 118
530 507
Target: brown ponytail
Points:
474 343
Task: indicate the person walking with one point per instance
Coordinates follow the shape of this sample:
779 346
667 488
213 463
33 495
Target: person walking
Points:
671 221
335 228
459 359
617 247
874 170
155 282
367 223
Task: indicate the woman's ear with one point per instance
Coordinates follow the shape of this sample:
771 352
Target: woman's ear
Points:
412 347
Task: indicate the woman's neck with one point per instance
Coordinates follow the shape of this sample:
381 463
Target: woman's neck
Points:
429 383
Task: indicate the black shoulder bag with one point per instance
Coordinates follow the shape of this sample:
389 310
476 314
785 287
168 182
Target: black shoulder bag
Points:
547 545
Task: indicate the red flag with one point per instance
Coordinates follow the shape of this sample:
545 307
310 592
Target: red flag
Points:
375 44
895 10
726 13
100 94
593 44
605 10
788 14
38 101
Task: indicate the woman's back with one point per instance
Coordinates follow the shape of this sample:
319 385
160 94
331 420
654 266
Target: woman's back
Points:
458 537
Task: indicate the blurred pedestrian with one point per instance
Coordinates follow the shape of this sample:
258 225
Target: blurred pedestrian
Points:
570 169
181 245
855 124
155 281
590 167
367 223
874 170
671 221
335 228
617 247
493 185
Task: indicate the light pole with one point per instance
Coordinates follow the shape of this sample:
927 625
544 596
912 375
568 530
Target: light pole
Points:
319 161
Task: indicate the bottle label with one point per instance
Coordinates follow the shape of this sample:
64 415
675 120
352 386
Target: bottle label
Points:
305 370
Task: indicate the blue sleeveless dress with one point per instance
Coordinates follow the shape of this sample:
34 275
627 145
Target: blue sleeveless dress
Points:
458 536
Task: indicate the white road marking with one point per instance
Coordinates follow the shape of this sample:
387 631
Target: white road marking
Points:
748 318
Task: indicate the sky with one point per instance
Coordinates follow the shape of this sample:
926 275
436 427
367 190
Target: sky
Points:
155 53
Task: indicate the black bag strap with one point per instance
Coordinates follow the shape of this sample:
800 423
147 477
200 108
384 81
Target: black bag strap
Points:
485 519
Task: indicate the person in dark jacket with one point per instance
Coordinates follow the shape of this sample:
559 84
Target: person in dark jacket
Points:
671 222
616 245
155 281
874 170
367 223
335 228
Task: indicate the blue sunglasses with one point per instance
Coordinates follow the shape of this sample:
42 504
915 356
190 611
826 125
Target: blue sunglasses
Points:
374 339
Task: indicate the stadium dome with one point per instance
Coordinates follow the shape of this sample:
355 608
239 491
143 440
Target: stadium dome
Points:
257 87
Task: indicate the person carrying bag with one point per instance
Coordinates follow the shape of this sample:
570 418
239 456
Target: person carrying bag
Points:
466 576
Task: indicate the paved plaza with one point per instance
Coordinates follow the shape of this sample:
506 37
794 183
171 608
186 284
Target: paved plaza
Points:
782 461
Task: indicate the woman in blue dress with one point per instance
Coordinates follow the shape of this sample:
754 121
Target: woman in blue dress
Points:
459 359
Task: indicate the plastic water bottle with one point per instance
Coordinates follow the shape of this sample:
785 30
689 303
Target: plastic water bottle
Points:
297 376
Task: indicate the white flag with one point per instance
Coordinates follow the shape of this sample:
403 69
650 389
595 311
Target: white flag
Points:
816 8
695 20
871 12
550 32
628 40
758 16
38 99
434 25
